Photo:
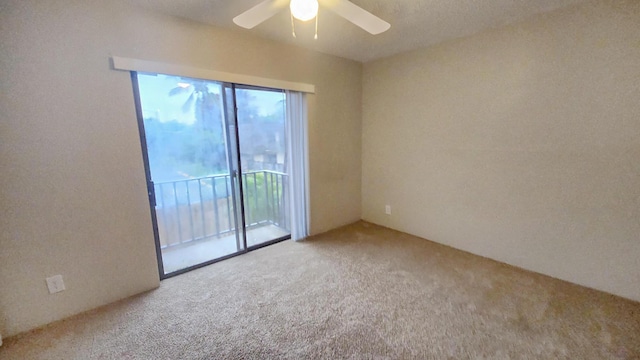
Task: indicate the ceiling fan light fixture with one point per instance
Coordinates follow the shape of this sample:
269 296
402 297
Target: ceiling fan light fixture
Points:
304 10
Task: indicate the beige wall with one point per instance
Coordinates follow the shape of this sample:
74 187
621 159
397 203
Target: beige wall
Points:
73 189
521 144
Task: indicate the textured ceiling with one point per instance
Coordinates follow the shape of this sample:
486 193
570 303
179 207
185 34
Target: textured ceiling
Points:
414 23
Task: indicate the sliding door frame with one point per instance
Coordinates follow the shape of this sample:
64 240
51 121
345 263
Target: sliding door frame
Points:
234 161
151 192
235 169
260 88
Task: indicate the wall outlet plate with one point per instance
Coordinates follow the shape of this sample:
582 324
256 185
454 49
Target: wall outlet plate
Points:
387 209
55 284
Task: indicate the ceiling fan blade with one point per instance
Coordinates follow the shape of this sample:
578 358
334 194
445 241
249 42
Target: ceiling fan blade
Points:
259 13
358 16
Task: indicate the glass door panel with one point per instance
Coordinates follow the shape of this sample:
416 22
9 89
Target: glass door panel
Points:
263 158
191 169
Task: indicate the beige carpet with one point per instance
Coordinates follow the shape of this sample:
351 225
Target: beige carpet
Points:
358 292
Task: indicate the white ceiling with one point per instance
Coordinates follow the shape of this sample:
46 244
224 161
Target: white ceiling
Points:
414 23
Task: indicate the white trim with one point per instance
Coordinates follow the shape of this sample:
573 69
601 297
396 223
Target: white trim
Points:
121 63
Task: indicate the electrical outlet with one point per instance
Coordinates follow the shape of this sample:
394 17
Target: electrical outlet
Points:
387 209
55 284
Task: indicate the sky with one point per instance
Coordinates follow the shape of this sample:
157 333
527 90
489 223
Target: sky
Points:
156 102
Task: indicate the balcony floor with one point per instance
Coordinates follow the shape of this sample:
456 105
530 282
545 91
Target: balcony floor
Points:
182 256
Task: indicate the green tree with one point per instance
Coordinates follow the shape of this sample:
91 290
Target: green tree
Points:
205 146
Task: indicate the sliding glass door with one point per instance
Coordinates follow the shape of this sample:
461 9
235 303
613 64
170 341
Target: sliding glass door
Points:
205 201
261 128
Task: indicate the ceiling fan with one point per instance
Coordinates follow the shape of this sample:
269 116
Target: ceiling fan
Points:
305 10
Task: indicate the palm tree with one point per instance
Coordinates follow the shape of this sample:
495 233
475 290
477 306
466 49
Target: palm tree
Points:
207 141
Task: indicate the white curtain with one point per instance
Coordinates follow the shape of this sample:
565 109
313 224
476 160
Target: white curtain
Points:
297 153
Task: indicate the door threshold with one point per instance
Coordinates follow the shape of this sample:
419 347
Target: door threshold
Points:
226 257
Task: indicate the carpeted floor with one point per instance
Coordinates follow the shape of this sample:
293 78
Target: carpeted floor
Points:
361 291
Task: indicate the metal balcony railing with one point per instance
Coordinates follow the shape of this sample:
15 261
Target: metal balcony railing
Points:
201 208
